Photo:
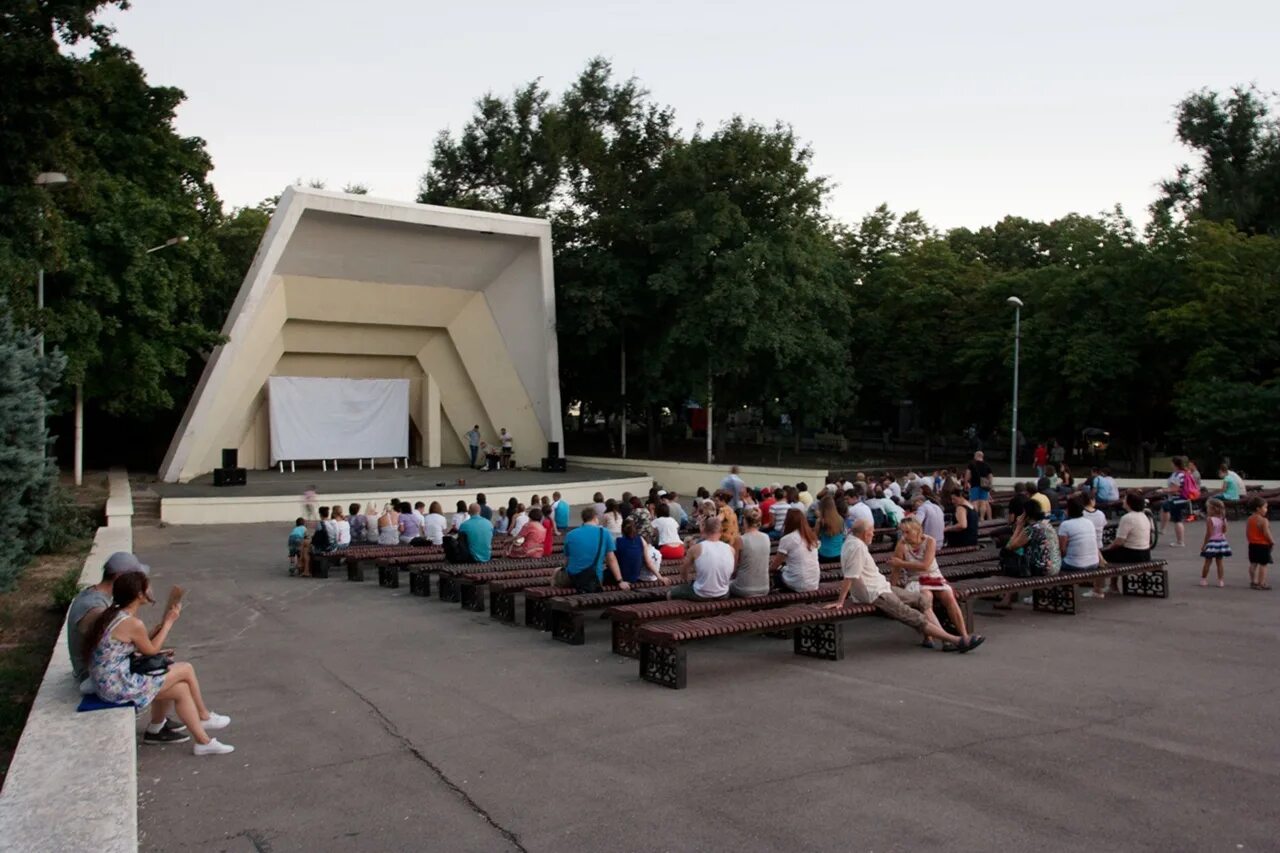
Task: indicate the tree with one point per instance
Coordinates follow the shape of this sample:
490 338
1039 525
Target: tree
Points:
28 476
1238 177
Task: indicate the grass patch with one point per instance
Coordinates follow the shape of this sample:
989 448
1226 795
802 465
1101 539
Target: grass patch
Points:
31 617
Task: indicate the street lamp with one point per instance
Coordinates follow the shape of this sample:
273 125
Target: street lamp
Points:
172 241
48 180
1017 343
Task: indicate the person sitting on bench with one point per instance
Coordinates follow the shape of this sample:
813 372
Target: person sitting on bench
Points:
637 559
964 532
1133 534
479 535
797 555
531 539
863 579
588 550
914 567
711 564
752 576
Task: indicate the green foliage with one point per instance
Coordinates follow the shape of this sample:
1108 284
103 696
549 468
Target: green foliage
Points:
65 589
712 259
28 477
1238 177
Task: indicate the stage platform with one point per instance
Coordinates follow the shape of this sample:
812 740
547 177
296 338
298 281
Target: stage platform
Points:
273 496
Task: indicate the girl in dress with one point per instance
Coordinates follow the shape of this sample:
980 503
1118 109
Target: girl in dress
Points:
1215 546
118 634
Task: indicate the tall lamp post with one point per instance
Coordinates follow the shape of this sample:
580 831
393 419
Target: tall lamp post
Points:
79 451
49 181
1017 344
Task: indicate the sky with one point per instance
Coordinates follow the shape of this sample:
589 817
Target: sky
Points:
966 112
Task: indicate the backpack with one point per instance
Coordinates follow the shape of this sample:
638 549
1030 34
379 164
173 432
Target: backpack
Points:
456 549
1190 489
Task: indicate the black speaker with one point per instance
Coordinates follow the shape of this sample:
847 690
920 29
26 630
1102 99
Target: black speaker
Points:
230 476
553 449
230 457
553 463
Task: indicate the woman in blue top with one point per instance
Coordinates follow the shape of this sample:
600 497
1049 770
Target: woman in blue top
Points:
830 530
634 560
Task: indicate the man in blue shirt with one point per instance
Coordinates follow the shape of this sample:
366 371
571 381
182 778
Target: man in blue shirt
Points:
479 533
561 512
733 485
587 550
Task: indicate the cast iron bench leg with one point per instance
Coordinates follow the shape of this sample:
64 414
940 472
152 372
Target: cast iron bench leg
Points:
567 627
1153 584
502 606
535 613
663 665
624 639
355 570
823 640
448 588
1055 599
320 567
393 577
471 594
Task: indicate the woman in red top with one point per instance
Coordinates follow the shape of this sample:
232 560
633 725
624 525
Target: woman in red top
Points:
549 525
532 538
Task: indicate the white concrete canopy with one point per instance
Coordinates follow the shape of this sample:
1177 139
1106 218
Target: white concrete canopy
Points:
460 303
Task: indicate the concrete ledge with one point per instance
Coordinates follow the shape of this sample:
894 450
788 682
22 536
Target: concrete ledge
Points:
119 500
249 509
73 782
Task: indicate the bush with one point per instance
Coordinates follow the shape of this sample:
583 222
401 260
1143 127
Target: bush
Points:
65 589
70 522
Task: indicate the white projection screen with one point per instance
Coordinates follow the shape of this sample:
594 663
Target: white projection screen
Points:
329 418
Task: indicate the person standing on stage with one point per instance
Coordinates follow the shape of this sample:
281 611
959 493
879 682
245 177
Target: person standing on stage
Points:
506 440
473 443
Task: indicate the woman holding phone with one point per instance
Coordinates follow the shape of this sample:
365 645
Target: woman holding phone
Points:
118 634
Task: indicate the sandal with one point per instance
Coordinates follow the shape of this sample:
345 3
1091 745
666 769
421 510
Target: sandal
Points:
928 644
1263 586
975 640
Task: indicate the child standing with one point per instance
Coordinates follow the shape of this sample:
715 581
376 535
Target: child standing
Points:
1258 533
1215 546
297 538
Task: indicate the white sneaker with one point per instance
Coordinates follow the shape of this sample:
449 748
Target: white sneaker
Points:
213 747
216 721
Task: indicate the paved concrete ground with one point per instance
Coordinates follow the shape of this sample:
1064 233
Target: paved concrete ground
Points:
366 719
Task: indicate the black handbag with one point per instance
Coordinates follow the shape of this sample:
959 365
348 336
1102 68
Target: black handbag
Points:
149 664
1013 564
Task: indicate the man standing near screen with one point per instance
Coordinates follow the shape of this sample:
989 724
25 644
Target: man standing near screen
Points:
473 443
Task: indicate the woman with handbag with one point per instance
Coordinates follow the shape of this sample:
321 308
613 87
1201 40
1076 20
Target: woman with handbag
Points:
128 665
1037 542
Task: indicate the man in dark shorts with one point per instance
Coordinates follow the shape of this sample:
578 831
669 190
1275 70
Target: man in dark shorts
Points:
980 486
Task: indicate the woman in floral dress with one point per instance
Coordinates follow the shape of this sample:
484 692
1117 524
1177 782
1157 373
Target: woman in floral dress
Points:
118 634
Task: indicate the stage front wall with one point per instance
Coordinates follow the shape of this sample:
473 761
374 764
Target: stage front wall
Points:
331 418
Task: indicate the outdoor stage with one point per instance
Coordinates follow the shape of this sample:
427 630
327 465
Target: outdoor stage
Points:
272 496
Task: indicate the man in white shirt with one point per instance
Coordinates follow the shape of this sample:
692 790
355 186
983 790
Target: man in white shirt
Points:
862 578
473 443
858 510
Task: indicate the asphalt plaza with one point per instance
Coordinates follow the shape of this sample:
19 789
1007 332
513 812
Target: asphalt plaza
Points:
368 719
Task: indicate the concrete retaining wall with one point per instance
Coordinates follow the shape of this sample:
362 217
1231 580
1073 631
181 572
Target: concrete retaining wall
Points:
686 477
73 782
285 508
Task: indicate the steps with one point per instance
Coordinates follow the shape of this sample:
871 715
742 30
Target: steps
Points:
146 508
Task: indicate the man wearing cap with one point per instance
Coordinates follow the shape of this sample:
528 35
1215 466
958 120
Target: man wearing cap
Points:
86 607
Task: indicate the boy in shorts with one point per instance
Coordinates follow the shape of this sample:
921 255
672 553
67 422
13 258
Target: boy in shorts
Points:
1258 534
297 540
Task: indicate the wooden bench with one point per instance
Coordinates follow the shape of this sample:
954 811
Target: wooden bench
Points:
563 611
816 632
626 618
1056 593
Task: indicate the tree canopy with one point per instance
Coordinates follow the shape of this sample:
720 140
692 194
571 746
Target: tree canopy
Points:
712 259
